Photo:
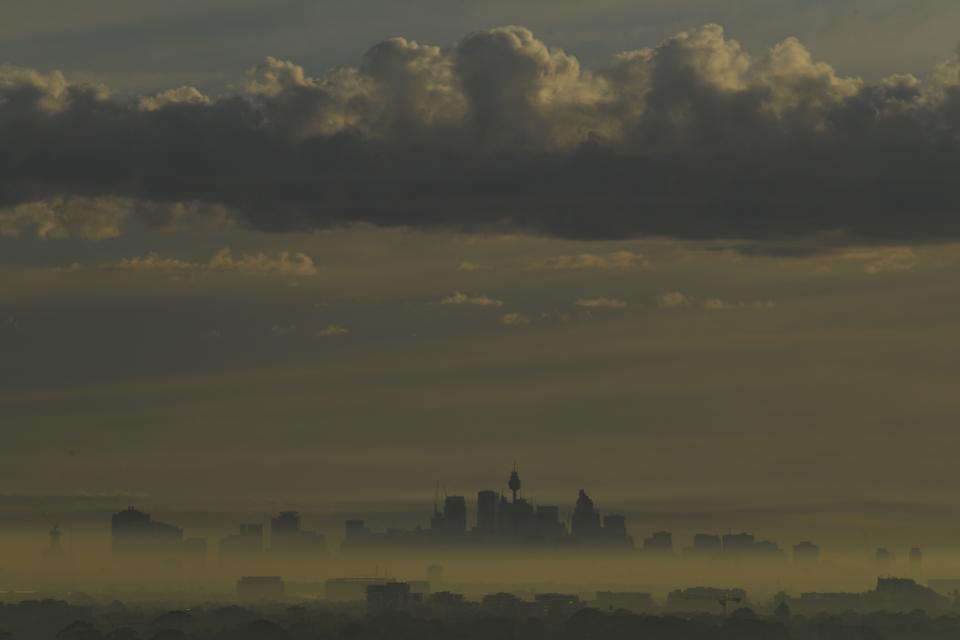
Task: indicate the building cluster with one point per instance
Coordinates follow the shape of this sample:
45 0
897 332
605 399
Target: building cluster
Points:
734 544
134 532
500 521
890 594
286 538
388 594
381 594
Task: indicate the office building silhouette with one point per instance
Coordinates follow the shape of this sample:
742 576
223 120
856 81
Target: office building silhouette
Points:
135 532
501 521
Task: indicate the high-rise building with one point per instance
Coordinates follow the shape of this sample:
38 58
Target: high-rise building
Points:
548 522
659 542
355 529
585 525
737 543
707 544
134 531
248 541
615 526
455 515
487 511
285 531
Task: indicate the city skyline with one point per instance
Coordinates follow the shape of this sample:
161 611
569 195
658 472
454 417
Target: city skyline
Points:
540 300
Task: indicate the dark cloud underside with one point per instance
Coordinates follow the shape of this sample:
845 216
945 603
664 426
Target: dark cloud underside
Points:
692 139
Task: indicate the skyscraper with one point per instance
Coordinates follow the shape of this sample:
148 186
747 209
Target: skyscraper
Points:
134 531
249 541
659 542
585 525
487 511
285 531
455 514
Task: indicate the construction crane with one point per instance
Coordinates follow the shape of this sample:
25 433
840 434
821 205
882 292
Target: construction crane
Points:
709 595
723 600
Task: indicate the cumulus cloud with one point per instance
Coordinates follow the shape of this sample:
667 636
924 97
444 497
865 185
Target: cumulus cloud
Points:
282 263
513 319
612 260
601 303
674 299
180 95
695 138
63 217
459 298
716 304
103 217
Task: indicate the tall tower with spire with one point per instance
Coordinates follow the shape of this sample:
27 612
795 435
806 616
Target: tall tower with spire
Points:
514 483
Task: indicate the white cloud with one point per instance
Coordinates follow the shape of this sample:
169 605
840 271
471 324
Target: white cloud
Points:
717 304
224 261
284 262
151 262
674 299
460 298
601 303
64 217
180 95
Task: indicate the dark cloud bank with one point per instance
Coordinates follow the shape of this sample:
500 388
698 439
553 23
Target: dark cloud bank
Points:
695 138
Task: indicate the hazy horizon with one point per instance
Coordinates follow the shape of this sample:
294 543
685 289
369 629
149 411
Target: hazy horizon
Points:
695 258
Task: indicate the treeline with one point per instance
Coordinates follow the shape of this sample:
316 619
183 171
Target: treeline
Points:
56 620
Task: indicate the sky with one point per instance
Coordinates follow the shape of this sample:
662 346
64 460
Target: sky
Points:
697 258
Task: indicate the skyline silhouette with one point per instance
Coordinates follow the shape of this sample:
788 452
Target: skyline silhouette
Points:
526 320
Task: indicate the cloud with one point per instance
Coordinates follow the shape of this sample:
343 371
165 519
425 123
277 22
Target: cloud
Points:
513 319
601 303
613 260
282 263
716 304
459 298
470 266
285 263
102 218
64 217
695 138
332 331
180 95
674 299
881 259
